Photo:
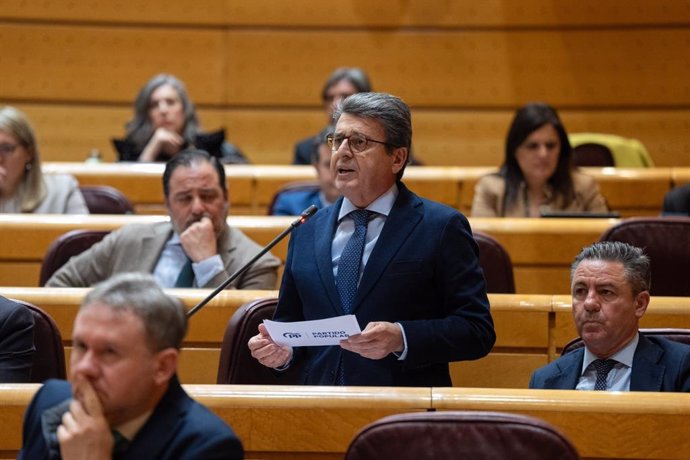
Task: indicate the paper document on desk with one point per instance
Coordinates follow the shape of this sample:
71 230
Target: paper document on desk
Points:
314 333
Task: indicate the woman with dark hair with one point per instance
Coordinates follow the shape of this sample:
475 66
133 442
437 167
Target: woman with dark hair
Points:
536 175
165 122
23 186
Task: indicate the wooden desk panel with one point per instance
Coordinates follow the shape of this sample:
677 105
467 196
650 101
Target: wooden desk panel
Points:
521 323
600 424
632 191
541 247
296 422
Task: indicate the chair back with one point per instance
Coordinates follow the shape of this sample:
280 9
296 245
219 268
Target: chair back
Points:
237 365
460 435
64 247
103 199
49 358
591 154
298 186
677 335
666 240
496 263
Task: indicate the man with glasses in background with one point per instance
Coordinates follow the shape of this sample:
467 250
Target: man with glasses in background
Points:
406 267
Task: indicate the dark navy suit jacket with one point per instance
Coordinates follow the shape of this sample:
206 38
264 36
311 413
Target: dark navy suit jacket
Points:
179 428
294 202
423 273
16 342
658 365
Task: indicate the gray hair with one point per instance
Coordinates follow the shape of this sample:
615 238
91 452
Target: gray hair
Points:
353 75
140 129
163 316
390 111
15 123
635 262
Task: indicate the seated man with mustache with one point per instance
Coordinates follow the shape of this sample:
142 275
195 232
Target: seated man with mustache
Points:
610 287
196 248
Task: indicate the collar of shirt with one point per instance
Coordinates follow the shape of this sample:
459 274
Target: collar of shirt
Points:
623 356
130 428
381 205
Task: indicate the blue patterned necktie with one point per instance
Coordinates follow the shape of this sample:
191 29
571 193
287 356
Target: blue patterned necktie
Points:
348 271
351 260
603 367
186 276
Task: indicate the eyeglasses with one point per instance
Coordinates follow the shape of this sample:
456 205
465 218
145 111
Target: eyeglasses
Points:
7 149
356 142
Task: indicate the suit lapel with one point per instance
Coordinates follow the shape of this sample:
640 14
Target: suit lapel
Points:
151 247
161 427
570 368
324 228
405 215
647 372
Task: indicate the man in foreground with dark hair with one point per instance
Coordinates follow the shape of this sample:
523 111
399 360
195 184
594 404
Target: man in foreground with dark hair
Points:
406 267
123 399
610 283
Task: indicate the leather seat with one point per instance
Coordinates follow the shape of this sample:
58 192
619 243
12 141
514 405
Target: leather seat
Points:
666 240
49 358
103 199
237 365
591 154
64 247
460 435
496 263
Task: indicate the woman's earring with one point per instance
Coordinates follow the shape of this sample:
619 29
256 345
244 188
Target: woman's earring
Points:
28 166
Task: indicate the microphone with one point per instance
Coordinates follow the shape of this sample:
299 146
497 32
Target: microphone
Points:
306 214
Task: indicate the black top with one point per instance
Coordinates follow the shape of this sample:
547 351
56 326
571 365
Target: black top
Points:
213 143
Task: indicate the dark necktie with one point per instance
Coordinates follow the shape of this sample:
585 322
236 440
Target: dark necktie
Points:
351 260
120 443
348 271
186 276
603 367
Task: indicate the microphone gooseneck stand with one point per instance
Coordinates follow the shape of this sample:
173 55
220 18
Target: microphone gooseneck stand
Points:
306 214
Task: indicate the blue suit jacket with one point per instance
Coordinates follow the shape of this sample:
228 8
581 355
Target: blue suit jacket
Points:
16 342
292 203
423 273
658 365
179 428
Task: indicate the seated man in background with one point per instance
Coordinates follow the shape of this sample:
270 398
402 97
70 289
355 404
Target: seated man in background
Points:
16 342
677 201
343 82
610 286
293 202
123 399
196 248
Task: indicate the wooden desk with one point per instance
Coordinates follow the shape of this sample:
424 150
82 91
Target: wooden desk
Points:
293 422
522 327
600 424
632 191
541 249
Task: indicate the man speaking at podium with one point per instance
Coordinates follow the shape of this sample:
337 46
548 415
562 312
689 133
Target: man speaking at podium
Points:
406 267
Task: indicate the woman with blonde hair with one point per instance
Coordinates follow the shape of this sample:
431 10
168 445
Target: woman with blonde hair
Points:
23 186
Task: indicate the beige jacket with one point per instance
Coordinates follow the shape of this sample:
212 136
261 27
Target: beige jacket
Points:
489 194
137 247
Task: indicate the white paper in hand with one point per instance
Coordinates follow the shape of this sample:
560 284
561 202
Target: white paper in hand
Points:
314 333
